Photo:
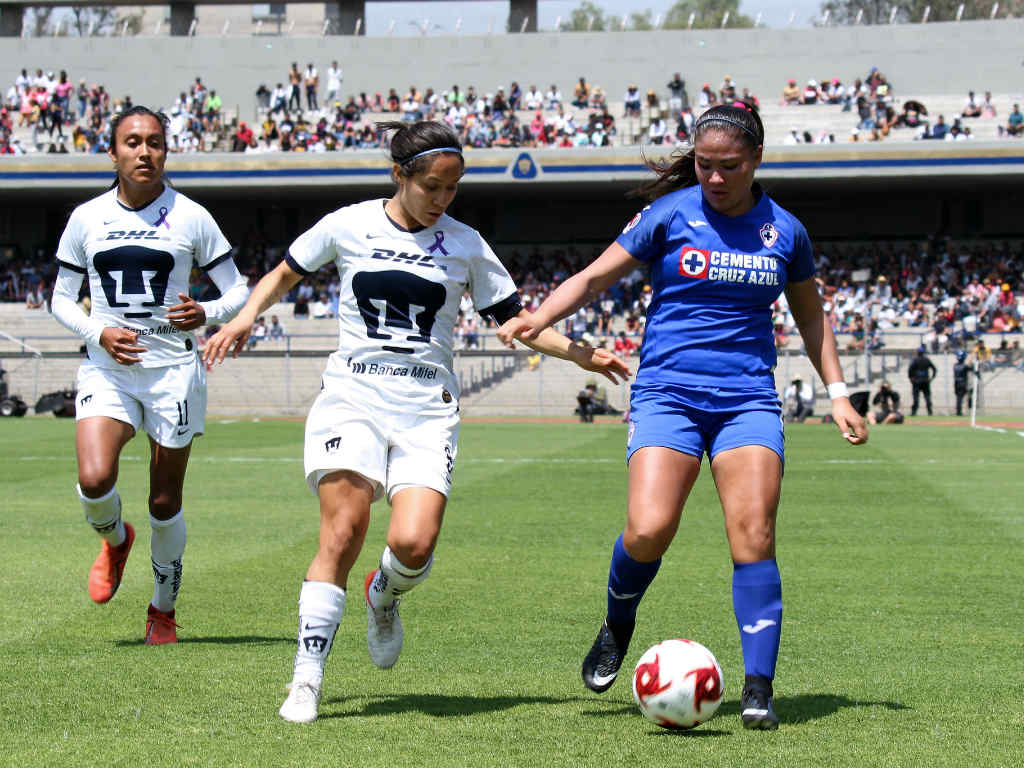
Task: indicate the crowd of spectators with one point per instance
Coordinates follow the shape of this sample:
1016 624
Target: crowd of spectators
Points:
943 292
63 117
304 112
878 112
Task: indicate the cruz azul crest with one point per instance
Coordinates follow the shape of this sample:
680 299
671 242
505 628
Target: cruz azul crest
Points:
769 235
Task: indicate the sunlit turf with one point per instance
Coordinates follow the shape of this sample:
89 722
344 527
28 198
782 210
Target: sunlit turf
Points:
902 639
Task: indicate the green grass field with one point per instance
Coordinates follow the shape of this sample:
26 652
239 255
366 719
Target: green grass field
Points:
901 566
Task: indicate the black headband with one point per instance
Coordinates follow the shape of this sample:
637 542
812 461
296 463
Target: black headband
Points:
726 119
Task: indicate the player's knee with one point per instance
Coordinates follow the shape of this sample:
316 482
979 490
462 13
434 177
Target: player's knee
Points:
339 533
757 534
646 542
95 480
163 505
413 551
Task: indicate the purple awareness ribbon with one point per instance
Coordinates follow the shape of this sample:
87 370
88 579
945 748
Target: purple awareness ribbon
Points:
437 246
162 219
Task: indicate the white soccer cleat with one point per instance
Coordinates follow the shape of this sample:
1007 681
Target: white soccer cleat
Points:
302 704
383 630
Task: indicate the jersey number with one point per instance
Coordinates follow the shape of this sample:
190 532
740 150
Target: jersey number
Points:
405 301
134 277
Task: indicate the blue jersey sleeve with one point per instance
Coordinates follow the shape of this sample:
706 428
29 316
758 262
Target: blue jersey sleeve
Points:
644 235
801 265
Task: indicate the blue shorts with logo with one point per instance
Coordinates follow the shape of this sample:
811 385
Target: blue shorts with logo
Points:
699 421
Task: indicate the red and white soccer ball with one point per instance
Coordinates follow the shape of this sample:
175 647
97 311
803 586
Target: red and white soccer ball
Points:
678 683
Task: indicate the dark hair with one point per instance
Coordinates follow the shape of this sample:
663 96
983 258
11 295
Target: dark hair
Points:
115 121
409 140
680 169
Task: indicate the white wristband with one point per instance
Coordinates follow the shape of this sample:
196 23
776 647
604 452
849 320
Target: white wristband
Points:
837 389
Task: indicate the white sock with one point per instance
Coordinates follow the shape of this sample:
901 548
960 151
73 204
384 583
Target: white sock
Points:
104 515
167 546
394 579
321 606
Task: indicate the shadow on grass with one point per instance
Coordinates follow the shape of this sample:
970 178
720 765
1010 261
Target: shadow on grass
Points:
793 710
440 705
237 640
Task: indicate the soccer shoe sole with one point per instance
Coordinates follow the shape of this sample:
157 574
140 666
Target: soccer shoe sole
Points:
102 592
760 722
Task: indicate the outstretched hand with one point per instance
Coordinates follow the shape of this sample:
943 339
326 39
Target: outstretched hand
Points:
523 326
600 360
231 337
850 423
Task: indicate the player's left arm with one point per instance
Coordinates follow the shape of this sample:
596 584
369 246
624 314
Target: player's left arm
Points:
596 359
820 343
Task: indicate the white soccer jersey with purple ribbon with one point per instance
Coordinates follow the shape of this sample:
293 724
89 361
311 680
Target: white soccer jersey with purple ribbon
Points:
137 261
399 299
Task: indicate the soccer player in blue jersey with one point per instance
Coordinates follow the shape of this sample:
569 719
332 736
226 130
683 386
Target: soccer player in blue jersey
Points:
720 251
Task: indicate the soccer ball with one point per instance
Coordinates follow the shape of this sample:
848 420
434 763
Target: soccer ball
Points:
678 683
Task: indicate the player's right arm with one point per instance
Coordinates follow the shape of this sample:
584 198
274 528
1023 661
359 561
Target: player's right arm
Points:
582 288
268 291
120 343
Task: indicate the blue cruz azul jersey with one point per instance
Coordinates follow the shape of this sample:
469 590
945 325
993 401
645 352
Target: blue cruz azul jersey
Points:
714 279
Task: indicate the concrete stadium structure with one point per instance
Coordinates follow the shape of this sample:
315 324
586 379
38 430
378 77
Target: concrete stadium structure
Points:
522 198
920 59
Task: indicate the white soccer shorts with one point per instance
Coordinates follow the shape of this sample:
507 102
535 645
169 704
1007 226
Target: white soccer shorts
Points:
392 450
168 401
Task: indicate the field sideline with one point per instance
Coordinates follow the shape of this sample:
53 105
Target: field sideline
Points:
901 642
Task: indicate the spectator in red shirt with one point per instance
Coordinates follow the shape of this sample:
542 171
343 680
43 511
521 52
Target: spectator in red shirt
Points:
243 138
624 346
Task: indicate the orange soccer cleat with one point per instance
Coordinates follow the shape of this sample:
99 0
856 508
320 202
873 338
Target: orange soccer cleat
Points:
160 627
105 576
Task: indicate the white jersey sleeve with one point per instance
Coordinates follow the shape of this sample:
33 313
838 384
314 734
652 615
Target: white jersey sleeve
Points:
211 246
318 245
489 281
71 248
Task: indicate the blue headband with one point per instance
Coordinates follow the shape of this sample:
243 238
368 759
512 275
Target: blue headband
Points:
725 119
456 150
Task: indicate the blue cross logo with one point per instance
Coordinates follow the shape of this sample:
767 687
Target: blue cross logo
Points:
694 263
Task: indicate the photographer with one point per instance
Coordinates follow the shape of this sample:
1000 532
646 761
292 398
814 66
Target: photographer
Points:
888 402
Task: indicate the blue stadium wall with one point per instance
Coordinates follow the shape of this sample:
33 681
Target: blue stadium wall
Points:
517 198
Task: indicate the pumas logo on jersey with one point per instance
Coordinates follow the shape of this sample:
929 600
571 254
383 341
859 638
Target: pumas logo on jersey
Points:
694 262
85 400
333 444
769 235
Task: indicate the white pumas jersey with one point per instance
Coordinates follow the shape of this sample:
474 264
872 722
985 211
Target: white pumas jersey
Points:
399 301
137 262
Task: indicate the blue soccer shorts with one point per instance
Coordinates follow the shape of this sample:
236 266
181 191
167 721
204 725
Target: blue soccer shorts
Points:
699 421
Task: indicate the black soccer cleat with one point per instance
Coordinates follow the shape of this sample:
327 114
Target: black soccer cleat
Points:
601 666
756 704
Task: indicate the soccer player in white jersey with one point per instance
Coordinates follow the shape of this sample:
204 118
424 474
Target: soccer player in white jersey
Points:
137 243
386 420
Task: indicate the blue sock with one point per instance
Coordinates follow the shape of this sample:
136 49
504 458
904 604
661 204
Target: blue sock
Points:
757 602
627 582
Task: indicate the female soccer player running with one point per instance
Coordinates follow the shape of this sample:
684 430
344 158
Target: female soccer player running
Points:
386 421
720 251
137 243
